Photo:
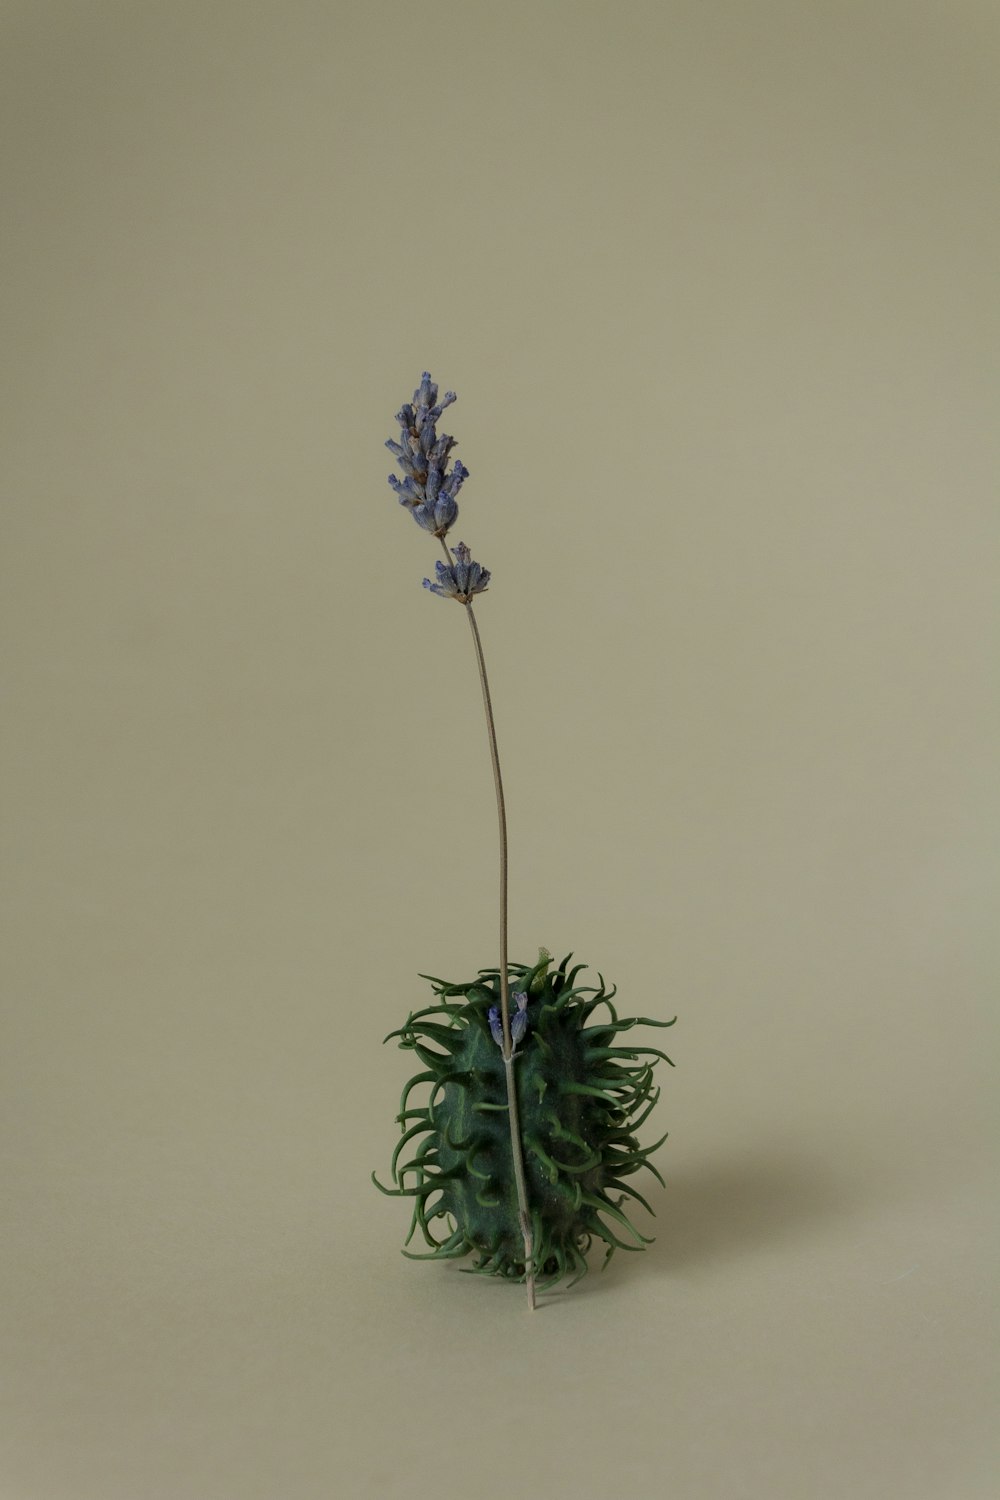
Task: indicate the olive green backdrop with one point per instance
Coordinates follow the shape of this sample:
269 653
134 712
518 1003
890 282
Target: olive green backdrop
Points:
716 284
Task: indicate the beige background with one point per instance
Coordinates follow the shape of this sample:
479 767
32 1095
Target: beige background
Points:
716 285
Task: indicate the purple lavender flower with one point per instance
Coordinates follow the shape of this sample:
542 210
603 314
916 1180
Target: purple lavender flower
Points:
460 579
518 1021
429 489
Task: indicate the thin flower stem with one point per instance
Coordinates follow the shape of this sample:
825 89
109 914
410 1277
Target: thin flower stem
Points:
502 820
523 1213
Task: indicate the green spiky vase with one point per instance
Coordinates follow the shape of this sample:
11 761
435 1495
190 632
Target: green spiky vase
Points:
581 1098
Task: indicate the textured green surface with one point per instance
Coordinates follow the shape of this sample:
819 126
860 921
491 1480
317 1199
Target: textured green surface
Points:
581 1097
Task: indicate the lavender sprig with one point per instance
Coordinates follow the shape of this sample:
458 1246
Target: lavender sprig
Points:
429 492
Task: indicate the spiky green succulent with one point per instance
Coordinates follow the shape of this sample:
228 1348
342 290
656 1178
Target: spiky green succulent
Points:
581 1100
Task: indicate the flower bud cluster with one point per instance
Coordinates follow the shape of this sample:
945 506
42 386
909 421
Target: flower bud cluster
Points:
518 1020
430 489
460 579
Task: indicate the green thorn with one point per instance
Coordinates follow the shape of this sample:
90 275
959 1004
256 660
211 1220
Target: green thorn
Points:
473 1171
632 1192
408 1135
417 1078
449 1249
605 1206
536 1149
426 1187
585 1088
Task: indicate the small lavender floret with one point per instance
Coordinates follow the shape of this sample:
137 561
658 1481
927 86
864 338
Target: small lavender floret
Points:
429 489
461 579
518 1021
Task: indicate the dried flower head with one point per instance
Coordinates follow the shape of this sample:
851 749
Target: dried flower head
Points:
430 489
460 579
518 1020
